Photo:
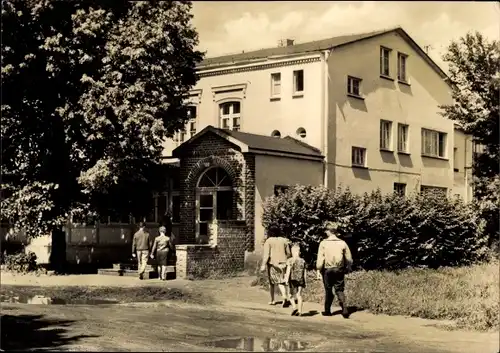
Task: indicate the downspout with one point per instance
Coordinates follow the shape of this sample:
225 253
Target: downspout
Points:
325 113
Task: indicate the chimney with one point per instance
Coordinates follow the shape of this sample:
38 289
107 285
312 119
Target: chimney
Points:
285 42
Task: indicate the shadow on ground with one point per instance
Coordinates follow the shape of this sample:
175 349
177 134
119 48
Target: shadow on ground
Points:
350 309
33 332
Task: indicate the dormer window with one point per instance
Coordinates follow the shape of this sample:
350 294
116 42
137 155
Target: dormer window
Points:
276 133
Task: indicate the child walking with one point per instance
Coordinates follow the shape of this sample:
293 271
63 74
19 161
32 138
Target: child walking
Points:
296 277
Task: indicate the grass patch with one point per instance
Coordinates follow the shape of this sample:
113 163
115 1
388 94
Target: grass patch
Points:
468 295
121 295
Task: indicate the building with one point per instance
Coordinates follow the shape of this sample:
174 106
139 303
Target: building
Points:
357 110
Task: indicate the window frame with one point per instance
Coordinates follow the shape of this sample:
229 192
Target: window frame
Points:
350 86
230 116
455 160
406 148
424 188
296 82
382 61
397 191
180 136
435 146
280 189
363 156
275 83
389 137
192 121
405 71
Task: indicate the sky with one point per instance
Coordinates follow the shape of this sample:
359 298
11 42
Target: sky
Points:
226 27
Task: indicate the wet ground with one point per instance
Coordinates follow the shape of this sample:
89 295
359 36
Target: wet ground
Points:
43 300
259 344
239 320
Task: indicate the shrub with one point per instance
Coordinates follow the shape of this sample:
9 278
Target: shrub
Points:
383 231
21 262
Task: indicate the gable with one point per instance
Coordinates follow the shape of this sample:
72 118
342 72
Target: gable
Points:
206 144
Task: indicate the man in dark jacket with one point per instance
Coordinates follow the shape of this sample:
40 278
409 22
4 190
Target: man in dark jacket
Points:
141 245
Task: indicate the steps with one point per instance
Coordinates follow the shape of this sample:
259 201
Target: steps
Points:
130 270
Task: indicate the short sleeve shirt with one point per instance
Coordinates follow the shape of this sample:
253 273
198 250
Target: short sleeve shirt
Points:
297 267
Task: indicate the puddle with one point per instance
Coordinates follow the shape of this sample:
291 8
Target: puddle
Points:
258 344
40 299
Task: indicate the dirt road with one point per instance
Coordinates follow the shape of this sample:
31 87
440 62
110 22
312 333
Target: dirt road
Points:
173 326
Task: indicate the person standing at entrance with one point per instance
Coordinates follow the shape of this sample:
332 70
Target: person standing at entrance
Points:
333 262
276 253
161 248
141 244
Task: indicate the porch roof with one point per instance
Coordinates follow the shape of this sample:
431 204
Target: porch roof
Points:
258 144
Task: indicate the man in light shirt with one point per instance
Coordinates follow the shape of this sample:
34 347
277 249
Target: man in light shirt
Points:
333 262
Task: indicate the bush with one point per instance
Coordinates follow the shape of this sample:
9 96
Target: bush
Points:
21 262
383 231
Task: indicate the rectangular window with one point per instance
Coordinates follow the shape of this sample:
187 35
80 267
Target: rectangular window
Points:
403 138
230 116
353 86
385 54
400 189
455 159
298 81
433 143
435 190
402 67
385 134
225 204
278 189
275 84
192 128
359 156
191 115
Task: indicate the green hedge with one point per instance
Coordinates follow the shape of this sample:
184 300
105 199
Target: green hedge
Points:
383 231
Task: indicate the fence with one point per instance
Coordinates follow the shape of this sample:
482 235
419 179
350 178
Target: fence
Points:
100 244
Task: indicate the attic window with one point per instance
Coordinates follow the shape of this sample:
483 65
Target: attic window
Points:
301 132
276 133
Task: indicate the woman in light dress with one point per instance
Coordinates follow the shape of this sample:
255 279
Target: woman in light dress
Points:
161 249
276 254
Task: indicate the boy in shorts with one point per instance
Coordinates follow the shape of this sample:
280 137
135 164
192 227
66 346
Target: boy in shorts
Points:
296 278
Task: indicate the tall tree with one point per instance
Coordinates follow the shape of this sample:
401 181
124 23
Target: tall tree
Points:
89 92
474 64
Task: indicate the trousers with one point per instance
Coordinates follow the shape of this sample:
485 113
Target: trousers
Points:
333 280
142 260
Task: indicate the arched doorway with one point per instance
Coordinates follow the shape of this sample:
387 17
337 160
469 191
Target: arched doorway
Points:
214 200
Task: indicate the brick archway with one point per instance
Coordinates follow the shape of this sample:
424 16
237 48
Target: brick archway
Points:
212 161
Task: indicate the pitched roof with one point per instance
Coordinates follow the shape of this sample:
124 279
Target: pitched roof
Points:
259 143
316 46
268 143
292 49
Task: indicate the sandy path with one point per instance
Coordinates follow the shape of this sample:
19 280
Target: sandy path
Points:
238 312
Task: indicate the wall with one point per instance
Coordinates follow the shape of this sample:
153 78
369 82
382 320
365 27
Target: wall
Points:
259 113
201 261
356 122
271 171
211 150
462 166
